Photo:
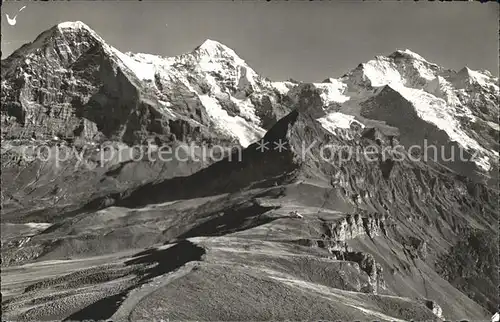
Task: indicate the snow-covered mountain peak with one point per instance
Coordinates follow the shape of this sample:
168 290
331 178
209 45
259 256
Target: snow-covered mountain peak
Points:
377 72
407 53
466 77
57 47
219 62
211 49
465 72
213 46
402 67
73 25
77 27
477 75
230 96
443 98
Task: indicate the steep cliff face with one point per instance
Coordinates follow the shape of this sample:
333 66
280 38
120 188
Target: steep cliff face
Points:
66 83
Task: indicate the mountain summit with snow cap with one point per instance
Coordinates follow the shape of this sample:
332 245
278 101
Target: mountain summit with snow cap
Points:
229 96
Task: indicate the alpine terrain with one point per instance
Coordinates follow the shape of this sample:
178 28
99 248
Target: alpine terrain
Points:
372 196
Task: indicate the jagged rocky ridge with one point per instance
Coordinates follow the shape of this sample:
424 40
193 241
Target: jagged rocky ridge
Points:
70 82
387 219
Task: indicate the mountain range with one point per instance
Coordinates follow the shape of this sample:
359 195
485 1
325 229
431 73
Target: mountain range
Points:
282 222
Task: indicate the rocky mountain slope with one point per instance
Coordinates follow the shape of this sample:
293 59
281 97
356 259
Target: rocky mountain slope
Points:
293 218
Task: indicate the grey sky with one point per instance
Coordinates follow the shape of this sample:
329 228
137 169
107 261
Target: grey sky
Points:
307 41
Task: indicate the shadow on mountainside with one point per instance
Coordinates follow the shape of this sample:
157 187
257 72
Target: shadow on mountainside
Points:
233 220
166 260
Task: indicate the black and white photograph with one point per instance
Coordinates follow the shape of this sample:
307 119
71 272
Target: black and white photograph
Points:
249 160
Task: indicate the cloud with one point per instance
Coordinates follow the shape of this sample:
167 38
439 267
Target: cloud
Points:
12 21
